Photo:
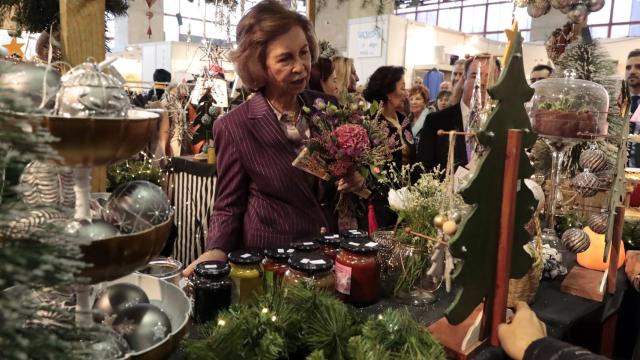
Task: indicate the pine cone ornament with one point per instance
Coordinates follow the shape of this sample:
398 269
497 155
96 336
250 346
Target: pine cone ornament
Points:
586 184
598 223
575 240
593 160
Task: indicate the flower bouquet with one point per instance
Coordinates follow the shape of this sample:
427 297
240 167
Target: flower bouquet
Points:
344 140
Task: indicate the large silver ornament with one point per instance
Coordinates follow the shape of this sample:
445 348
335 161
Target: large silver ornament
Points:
22 87
575 240
88 92
105 344
598 223
47 184
586 184
137 206
116 298
578 14
142 325
535 10
595 5
593 160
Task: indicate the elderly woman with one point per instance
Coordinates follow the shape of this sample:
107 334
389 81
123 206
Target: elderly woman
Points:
323 77
387 85
418 99
262 201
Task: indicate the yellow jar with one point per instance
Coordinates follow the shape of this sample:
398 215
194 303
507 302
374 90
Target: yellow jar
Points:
246 274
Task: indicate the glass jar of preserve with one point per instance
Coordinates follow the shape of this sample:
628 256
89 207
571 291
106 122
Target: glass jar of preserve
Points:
354 234
329 244
275 264
246 274
211 290
313 268
305 246
357 272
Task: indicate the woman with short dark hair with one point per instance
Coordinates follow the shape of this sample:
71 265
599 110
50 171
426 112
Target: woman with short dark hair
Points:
323 77
263 201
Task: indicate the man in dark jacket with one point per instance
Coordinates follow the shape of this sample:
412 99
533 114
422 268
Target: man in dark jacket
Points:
433 149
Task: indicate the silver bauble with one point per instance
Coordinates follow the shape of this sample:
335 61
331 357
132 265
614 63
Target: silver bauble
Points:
593 160
556 4
534 10
586 184
97 230
137 206
575 240
115 298
595 5
142 325
47 184
454 215
22 85
88 92
105 344
598 223
578 14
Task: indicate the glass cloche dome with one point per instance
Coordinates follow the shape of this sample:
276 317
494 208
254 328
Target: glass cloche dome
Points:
568 109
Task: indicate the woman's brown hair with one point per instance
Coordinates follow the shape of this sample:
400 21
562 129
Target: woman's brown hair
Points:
264 22
420 90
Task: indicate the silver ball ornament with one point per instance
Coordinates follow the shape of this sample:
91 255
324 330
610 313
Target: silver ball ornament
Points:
86 91
595 5
598 223
454 215
137 206
578 14
21 87
101 345
97 230
593 160
575 240
586 184
48 184
142 325
536 10
115 298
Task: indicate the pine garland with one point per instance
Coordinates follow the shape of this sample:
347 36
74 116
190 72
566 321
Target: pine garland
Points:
301 323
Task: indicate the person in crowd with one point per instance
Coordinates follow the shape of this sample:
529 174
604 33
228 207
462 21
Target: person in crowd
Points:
387 85
458 71
540 72
346 75
161 79
417 81
418 100
445 86
261 200
632 76
323 77
525 338
442 101
457 79
433 149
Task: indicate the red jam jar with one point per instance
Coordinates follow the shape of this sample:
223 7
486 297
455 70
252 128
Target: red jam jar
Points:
357 272
315 269
307 246
329 244
354 234
274 265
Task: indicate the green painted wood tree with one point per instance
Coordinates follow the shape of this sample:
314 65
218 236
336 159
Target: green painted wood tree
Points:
476 241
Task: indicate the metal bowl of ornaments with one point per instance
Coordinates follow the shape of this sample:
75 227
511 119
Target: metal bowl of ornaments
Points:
163 268
94 121
133 321
137 221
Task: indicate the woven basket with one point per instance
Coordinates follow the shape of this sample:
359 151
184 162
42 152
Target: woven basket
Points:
525 288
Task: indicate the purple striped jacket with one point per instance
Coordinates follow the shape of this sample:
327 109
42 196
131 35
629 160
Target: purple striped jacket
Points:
261 199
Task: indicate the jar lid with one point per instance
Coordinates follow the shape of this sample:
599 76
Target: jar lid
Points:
305 246
310 263
244 257
278 253
212 269
359 246
330 239
354 234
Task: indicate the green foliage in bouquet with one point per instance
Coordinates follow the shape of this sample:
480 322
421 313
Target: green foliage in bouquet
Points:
416 205
302 323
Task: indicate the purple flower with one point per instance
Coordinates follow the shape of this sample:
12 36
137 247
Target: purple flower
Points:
319 104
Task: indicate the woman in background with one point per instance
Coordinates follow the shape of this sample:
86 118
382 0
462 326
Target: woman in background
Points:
418 98
323 77
346 76
443 100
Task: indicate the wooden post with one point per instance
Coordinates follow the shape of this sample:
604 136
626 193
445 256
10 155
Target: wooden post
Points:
311 11
618 224
82 31
505 241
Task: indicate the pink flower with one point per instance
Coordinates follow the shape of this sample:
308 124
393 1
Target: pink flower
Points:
376 170
341 168
352 139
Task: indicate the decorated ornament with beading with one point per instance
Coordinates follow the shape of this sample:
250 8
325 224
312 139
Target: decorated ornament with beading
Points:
586 184
137 206
575 240
47 184
593 160
598 223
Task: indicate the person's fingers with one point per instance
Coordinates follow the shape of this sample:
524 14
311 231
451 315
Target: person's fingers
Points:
189 270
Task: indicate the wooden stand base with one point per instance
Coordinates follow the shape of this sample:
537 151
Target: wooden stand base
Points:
460 341
586 283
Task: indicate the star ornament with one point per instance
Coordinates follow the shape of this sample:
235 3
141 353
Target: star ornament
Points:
14 47
510 36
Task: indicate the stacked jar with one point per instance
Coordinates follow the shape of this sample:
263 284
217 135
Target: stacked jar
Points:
212 290
357 272
275 265
246 274
312 268
354 234
305 246
329 244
